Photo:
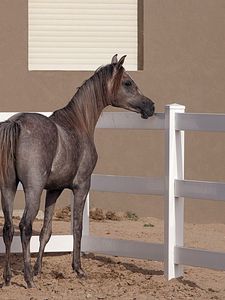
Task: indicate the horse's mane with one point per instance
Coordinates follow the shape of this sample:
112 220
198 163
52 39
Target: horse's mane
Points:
89 100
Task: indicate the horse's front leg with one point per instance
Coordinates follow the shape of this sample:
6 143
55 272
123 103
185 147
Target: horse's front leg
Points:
80 195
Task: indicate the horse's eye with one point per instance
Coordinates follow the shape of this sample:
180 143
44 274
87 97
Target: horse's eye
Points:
128 83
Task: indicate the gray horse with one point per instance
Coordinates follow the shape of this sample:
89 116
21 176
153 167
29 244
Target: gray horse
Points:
56 153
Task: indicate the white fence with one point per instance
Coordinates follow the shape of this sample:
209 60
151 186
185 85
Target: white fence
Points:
173 186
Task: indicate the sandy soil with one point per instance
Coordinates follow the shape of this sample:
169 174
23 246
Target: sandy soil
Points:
121 278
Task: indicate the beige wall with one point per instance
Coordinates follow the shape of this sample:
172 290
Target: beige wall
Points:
184 58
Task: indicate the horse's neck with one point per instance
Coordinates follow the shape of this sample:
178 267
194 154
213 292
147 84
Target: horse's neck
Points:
89 101
81 114
87 111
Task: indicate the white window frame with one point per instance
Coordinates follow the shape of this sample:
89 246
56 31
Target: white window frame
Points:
60 37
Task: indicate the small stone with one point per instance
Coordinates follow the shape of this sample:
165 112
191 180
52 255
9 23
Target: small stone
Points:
211 290
130 283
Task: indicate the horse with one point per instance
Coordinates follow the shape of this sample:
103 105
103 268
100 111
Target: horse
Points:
56 153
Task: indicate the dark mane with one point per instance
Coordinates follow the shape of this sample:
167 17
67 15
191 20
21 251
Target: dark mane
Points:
91 97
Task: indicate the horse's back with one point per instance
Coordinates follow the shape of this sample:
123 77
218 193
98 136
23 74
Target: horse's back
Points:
35 129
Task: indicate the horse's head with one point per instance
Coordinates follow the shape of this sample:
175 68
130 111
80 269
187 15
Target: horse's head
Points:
125 92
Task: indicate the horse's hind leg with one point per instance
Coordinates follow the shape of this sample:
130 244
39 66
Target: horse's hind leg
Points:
32 198
46 230
7 197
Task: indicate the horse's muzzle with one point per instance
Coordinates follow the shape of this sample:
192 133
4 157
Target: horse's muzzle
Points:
147 108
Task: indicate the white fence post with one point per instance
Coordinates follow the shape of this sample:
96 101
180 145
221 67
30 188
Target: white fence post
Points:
174 206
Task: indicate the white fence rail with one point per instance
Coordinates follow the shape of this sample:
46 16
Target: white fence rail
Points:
173 186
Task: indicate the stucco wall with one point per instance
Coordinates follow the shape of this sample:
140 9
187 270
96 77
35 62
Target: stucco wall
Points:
184 62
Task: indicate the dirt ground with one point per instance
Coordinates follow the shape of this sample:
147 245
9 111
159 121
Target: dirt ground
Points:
117 277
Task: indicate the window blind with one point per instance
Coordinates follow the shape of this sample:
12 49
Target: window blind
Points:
81 34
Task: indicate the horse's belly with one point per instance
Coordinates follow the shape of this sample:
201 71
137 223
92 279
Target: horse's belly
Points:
61 177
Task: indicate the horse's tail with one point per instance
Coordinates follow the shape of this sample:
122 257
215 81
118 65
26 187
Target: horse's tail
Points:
9 133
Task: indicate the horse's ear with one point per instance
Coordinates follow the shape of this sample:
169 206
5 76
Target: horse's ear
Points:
120 62
114 59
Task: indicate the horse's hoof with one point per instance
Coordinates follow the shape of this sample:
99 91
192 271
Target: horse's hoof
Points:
7 280
6 283
30 285
36 270
81 274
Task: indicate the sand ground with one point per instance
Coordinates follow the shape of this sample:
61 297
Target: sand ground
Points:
116 277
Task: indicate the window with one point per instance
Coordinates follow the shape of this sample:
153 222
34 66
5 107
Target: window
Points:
83 34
